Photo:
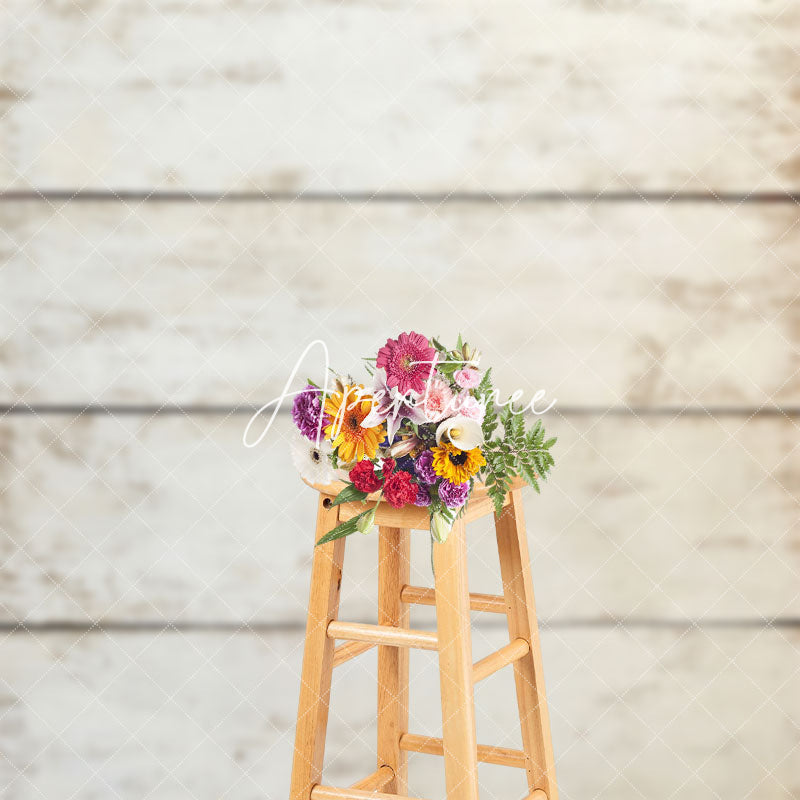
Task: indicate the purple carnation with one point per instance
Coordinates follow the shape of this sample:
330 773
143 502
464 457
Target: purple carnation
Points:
454 495
423 498
306 411
423 466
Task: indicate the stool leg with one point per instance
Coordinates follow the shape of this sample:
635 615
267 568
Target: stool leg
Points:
455 666
393 574
512 545
315 682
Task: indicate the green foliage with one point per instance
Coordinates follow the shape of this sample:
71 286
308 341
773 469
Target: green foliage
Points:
438 507
517 452
449 361
484 394
348 495
345 528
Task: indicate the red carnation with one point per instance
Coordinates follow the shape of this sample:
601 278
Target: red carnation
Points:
399 490
364 478
388 467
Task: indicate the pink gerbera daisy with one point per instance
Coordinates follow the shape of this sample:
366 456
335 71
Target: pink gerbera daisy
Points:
408 361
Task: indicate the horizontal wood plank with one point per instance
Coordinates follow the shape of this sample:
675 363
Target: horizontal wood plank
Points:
211 715
212 304
371 97
170 519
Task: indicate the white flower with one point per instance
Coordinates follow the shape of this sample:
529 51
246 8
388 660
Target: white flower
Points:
312 462
462 432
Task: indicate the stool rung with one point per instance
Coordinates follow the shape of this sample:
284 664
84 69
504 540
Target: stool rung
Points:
505 756
419 595
377 781
344 652
320 792
513 651
383 634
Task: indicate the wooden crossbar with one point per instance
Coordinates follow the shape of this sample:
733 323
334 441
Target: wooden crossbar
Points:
383 634
376 782
513 651
344 652
505 756
419 595
320 792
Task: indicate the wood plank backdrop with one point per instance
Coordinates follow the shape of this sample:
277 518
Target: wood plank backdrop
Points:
602 195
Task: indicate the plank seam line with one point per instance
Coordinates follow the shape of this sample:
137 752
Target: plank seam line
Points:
438 198
299 627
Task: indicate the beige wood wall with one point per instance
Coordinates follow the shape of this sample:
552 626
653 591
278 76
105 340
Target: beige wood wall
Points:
603 196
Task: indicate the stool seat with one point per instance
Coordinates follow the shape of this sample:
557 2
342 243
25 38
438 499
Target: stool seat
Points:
412 517
451 643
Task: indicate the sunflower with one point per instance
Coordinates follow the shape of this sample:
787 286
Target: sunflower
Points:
457 466
347 409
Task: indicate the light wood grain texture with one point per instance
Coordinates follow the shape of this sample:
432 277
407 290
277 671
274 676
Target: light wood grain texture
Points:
441 96
455 665
315 678
453 641
394 551
377 781
135 518
209 714
538 794
505 756
382 635
506 655
334 793
344 652
512 545
409 517
419 595
599 304
412 517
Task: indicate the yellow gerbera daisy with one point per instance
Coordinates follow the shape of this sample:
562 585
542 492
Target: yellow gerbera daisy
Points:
457 466
346 410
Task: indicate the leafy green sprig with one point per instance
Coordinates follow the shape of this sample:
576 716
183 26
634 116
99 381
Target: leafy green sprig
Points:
360 522
518 452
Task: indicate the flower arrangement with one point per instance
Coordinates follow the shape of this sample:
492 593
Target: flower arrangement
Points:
429 428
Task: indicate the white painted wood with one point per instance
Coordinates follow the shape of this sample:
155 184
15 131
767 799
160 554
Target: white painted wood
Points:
135 519
635 713
600 305
438 96
138 518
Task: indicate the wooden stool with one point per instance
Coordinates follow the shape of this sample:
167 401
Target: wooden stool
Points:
452 640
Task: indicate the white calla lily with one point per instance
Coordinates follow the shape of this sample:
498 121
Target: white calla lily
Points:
463 432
